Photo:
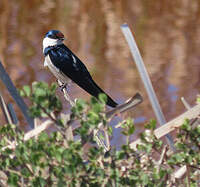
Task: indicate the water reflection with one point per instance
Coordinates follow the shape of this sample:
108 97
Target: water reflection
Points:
167 33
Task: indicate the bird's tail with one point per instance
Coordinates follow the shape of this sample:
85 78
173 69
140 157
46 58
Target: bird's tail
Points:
97 90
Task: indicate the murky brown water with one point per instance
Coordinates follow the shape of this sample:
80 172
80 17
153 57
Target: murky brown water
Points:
167 32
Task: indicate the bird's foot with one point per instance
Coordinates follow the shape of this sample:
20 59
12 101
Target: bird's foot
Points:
63 88
62 85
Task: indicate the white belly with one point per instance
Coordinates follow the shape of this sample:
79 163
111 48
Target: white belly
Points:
56 72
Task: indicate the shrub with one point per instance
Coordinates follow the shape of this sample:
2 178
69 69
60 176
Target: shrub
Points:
54 160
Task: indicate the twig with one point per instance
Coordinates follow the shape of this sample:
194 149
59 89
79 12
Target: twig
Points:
188 175
69 130
66 95
5 110
107 138
195 167
37 130
185 103
162 156
98 140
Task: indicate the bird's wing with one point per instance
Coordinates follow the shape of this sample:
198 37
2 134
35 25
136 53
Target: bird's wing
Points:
71 66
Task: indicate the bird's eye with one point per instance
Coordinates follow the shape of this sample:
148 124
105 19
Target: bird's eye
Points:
52 36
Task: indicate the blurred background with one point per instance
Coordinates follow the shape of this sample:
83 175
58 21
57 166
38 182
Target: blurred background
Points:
167 33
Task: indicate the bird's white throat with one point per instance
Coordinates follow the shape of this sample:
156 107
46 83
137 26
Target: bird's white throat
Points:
50 42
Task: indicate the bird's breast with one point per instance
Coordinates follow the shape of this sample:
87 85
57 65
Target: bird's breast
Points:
56 72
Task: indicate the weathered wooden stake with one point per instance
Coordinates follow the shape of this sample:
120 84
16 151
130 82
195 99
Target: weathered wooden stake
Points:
146 80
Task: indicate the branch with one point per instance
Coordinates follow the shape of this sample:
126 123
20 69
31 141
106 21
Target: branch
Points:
66 95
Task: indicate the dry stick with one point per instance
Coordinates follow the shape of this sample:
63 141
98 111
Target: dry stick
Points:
5 110
68 131
66 95
162 156
37 130
100 142
107 139
185 103
13 92
146 80
188 175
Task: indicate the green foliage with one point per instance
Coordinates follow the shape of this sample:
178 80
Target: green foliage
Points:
43 98
198 99
52 160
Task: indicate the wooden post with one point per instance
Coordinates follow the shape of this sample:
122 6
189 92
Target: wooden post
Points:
146 80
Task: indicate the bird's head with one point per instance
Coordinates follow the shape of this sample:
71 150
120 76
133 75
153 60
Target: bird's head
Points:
53 37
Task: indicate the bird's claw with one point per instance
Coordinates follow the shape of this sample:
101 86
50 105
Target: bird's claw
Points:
62 85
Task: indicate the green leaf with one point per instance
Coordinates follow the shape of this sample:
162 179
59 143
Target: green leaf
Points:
102 98
13 179
186 125
131 130
39 181
151 125
110 130
21 92
144 177
198 99
58 156
27 90
25 172
43 137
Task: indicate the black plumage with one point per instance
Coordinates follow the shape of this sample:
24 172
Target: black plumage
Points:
69 64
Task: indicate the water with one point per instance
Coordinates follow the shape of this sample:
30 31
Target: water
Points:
167 34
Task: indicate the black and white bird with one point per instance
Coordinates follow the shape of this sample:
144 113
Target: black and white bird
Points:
67 67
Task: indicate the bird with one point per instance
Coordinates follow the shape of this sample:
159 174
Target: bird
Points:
67 67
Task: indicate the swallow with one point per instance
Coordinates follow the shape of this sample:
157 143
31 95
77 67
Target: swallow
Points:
67 67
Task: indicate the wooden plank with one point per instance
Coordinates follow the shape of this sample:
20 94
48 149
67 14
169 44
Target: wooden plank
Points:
131 103
14 93
172 125
177 122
